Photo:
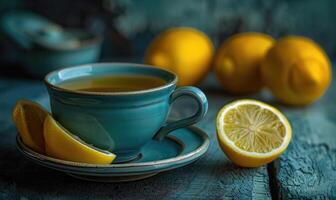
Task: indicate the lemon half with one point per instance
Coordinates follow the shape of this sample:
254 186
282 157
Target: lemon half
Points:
252 133
63 145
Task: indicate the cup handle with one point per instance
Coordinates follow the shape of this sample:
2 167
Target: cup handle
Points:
202 102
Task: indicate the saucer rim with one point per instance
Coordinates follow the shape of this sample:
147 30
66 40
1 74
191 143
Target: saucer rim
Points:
200 150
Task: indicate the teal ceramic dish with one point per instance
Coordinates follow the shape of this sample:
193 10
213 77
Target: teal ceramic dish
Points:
120 122
44 46
39 62
180 148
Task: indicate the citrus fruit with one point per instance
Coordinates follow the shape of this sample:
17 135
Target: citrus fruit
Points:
185 51
296 70
28 118
238 59
252 133
63 145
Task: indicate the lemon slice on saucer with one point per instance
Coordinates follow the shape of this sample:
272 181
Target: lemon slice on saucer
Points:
252 133
28 118
63 145
40 132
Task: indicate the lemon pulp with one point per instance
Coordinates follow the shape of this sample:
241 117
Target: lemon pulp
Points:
252 133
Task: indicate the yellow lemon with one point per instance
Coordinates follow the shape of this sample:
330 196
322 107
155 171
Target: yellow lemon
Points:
184 51
296 70
238 60
252 133
63 145
28 118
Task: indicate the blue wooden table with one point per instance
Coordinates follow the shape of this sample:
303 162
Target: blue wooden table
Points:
307 170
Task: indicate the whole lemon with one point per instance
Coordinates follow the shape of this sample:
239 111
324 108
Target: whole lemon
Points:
185 51
237 62
296 70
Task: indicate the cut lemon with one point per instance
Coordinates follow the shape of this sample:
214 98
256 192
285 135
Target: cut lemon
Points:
28 118
63 145
252 133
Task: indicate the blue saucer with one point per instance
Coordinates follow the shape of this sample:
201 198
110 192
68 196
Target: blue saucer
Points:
181 147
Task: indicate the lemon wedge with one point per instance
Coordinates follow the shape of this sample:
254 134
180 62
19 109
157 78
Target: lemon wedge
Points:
252 133
63 145
28 118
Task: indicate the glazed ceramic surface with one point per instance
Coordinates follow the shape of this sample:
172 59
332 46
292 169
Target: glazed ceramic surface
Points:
41 62
180 148
119 122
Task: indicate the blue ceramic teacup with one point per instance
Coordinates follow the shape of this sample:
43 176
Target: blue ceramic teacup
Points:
121 122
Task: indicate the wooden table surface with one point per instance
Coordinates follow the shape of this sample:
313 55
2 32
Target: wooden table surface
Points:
307 170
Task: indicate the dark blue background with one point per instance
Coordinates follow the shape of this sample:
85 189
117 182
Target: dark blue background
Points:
129 25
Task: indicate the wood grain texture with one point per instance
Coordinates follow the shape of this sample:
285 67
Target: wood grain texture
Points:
211 177
308 169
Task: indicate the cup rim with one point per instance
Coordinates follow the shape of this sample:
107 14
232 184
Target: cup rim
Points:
104 64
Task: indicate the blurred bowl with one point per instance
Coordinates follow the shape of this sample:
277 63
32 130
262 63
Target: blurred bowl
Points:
40 61
43 46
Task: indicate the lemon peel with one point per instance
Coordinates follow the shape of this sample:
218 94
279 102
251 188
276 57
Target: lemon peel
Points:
238 59
28 117
185 51
296 70
63 145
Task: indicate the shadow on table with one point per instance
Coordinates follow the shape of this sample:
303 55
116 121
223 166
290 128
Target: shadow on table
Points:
213 172
14 71
23 178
